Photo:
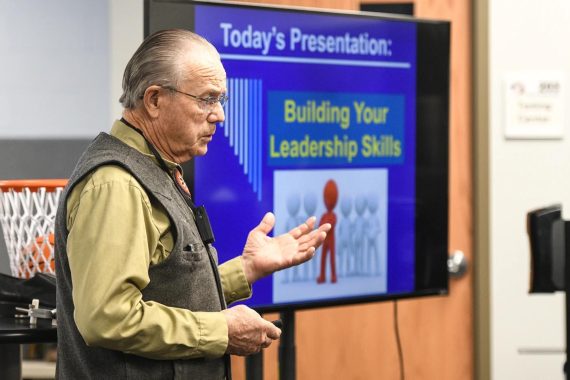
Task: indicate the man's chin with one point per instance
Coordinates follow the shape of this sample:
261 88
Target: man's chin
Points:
201 151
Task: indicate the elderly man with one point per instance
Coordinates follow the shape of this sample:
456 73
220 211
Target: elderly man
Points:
139 291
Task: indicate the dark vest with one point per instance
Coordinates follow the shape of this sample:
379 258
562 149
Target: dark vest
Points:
186 279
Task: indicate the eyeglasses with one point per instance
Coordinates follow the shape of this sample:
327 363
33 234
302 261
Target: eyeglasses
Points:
206 102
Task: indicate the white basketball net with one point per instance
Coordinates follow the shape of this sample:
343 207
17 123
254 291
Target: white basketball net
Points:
28 221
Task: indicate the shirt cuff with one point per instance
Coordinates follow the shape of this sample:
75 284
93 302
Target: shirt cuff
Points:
213 329
234 282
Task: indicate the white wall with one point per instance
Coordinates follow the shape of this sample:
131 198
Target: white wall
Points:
126 34
53 68
61 65
524 174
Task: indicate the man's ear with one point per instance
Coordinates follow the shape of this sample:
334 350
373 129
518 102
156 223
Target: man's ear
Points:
151 100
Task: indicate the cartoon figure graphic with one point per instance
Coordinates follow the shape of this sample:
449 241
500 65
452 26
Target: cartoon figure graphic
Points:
373 231
310 206
330 196
344 237
359 235
293 205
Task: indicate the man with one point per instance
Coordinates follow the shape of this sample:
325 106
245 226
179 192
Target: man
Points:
139 291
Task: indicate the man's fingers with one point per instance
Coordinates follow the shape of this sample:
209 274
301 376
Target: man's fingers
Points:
325 227
315 238
303 256
303 228
310 222
314 243
311 233
308 244
272 331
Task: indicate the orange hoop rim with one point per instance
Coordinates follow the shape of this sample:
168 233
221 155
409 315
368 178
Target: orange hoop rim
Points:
18 185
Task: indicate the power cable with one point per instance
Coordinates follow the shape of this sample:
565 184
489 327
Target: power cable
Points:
398 342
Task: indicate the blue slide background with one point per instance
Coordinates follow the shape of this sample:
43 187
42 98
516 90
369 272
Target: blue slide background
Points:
235 179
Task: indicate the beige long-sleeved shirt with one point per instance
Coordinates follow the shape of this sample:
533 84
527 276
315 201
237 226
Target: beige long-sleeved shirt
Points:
115 234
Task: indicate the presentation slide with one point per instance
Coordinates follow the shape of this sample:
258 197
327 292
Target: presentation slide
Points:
320 121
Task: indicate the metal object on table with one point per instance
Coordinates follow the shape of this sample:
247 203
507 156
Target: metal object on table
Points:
34 312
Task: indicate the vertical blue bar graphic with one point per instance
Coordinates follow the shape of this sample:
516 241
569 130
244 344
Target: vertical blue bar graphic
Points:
259 115
239 134
253 135
231 113
224 124
242 127
246 129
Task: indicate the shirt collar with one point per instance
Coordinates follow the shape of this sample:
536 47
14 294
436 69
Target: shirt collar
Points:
136 141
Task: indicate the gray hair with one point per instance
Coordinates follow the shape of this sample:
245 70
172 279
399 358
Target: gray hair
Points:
157 61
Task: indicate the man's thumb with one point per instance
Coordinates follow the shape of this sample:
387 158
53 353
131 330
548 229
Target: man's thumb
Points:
267 223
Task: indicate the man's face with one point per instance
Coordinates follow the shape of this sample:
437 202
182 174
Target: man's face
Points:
187 125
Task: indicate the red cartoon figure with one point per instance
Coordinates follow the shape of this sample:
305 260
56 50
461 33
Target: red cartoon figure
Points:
330 196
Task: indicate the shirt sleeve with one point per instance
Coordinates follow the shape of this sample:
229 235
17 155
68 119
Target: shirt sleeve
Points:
234 282
111 237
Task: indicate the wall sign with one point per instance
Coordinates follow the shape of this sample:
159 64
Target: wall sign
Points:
534 105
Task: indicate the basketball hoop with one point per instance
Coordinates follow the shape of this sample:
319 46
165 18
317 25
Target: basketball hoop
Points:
27 214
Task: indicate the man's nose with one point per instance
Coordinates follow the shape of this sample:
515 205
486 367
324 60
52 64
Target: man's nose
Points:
217 114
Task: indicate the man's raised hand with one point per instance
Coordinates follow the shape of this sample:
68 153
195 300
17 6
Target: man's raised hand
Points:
263 255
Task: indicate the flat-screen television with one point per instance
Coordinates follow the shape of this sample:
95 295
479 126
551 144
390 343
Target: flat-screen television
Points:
330 113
